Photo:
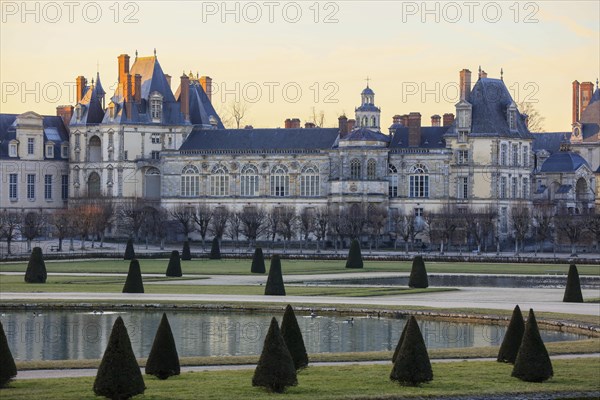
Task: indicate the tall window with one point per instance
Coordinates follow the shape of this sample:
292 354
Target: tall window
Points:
371 169
512 119
12 150
12 187
418 181
219 181
462 157
30 146
48 187
525 188
503 154
393 180
310 181
526 156
31 186
155 155
49 151
155 138
64 187
355 169
190 182
514 191
249 181
515 154
463 187
503 187
156 107
280 181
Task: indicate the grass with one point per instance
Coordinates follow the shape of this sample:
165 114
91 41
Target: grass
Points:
242 267
348 381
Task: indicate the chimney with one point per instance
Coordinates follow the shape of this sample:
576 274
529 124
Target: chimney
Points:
296 123
184 97
448 119
575 101
137 88
127 81
65 112
483 74
81 84
351 123
404 119
168 78
343 125
414 129
397 119
585 94
248 127
123 67
435 120
465 84
206 83
287 124
309 125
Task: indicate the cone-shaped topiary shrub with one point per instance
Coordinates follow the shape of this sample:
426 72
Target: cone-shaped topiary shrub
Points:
573 289
36 267
174 267
258 262
134 283
163 360
119 376
8 369
293 338
418 274
275 286
354 256
186 254
215 251
533 363
275 370
129 252
412 365
402 336
512 338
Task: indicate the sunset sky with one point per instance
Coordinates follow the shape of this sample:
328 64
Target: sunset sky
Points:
265 51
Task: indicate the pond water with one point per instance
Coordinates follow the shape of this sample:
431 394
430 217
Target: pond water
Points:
59 335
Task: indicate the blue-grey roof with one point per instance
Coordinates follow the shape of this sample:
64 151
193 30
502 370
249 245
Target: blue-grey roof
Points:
396 126
564 189
260 139
367 90
549 141
91 107
431 137
54 130
200 106
541 189
595 96
367 107
589 130
366 134
563 161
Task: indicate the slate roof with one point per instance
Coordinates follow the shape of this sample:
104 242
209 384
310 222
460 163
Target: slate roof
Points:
200 106
367 107
91 107
590 132
549 141
563 161
564 189
431 137
260 139
367 90
54 129
366 134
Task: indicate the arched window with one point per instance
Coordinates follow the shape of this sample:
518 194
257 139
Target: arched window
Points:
310 181
373 122
152 183
190 182
418 181
371 169
249 181
94 185
95 149
393 180
219 181
280 181
364 121
355 169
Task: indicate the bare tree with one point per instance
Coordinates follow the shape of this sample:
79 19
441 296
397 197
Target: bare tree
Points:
132 215
406 226
184 215
11 223
235 112
535 121
62 222
337 226
521 222
273 219
234 227
542 224
443 224
85 214
253 221
306 221
593 226
106 213
321 223
317 117
376 220
355 217
218 222
161 221
32 226
479 224
570 226
287 227
202 218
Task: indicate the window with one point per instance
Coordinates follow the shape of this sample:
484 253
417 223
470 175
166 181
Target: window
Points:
219 181
503 154
12 186
514 191
249 181
64 182
30 146
393 180
190 182
525 188
512 119
155 138
418 212
462 137
31 186
125 155
49 151
156 107
280 181
418 181
373 122
48 187
515 154
462 157
463 187
355 169
155 155
464 119
371 169
310 182
503 187
526 156
77 139
64 151
12 150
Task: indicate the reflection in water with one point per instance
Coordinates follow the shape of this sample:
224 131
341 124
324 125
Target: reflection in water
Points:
58 335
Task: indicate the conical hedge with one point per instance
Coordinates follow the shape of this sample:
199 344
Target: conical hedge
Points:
129 252
275 370
215 251
174 267
399 345
119 376
8 369
163 360
412 366
36 267
512 338
573 289
293 338
533 363
354 256
275 286
134 283
186 254
258 262
418 274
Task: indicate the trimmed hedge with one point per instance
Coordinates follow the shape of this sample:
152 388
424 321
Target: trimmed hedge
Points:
215 251
533 363
402 336
293 338
8 369
134 283
36 267
512 338
129 251
573 289
418 274
258 262
186 254
354 256
163 360
412 366
275 286
174 267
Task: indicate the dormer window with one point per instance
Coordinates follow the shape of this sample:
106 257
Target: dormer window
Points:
64 151
464 119
156 107
78 112
49 150
30 146
511 117
462 137
111 111
12 149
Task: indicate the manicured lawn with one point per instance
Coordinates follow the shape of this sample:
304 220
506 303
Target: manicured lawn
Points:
242 267
356 381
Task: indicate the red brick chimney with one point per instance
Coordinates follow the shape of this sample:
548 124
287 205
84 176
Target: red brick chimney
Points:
404 119
435 120
81 84
168 78
351 123
123 67
206 83
448 119
465 84
585 94
575 101
414 129
309 125
127 95
185 97
287 123
137 88
296 123
396 119
343 125
65 112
